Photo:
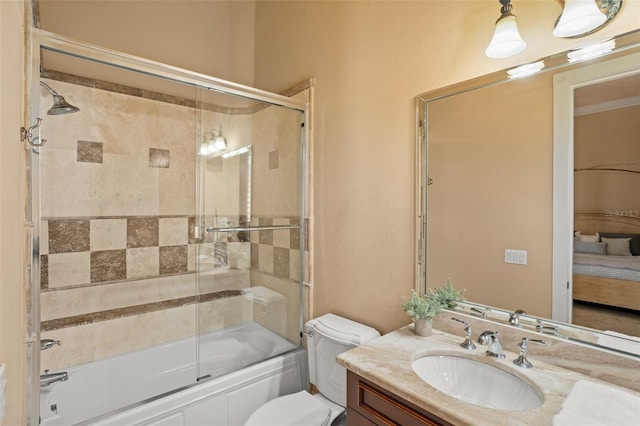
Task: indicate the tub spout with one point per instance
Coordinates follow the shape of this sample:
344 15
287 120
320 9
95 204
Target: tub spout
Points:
47 378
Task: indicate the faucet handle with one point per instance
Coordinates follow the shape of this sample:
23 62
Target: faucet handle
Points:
482 312
522 360
467 343
48 343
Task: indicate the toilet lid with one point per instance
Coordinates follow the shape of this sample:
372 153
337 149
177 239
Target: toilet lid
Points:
295 409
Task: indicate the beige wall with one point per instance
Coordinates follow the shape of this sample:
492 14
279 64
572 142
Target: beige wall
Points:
211 37
370 59
12 231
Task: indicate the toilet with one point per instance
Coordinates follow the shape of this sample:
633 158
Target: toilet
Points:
327 336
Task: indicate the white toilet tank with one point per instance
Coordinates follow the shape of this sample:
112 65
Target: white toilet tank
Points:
328 336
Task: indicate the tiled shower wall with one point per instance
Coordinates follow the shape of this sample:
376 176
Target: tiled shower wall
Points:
96 249
118 247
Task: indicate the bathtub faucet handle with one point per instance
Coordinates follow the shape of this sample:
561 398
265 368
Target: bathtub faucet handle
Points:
48 343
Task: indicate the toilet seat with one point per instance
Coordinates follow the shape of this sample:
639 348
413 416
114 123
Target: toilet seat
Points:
296 409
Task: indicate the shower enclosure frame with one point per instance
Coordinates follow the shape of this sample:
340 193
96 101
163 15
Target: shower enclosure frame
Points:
39 39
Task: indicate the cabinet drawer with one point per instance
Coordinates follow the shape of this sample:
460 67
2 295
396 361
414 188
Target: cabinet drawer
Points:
356 419
382 407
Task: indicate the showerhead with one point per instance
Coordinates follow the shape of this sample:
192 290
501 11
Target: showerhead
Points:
60 105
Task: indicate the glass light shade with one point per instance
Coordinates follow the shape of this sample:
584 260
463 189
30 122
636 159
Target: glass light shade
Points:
579 17
219 144
204 148
506 39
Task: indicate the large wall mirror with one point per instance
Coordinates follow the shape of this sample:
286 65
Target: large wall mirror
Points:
523 185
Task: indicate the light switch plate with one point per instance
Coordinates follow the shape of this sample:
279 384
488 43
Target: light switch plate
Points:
518 257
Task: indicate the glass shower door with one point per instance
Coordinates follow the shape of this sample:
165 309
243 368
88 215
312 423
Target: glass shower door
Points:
250 254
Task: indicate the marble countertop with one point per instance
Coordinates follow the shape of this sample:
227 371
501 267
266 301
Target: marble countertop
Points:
386 361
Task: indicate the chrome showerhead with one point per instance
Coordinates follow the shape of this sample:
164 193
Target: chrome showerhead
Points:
60 105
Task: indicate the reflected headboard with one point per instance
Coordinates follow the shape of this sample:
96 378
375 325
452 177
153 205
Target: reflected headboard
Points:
592 222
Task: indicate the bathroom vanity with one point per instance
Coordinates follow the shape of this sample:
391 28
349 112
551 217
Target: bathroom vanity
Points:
369 404
384 387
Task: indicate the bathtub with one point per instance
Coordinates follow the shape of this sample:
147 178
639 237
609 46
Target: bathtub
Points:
157 385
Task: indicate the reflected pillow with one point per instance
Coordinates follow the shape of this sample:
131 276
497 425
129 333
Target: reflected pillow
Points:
618 246
590 238
589 247
635 240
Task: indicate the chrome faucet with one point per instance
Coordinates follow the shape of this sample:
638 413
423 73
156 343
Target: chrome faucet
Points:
48 343
522 360
514 318
492 340
47 378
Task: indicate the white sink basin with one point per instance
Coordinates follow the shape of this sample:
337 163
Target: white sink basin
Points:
477 383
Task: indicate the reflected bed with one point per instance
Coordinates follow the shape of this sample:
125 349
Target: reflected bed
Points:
601 277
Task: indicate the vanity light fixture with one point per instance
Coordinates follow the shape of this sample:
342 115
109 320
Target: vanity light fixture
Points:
582 17
591 51
506 39
214 143
578 18
525 70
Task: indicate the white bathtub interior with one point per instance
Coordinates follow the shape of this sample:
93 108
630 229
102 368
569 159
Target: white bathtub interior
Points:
234 354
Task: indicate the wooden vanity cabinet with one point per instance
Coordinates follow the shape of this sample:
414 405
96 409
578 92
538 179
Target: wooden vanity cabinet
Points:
368 404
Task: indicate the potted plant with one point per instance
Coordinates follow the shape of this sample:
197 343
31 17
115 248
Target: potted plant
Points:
422 310
447 295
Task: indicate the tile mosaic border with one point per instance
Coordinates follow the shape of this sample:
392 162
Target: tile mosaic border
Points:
98 250
86 251
77 320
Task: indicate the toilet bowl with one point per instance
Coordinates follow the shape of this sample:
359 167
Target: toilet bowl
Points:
327 336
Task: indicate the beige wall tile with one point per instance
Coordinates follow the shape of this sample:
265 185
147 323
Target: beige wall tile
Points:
282 237
221 313
108 265
180 322
294 265
174 231
223 279
173 259
124 185
265 258
68 235
67 269
281 262
89 152
239 255
44 237
76 347
108 234
159 158
128 334
142 232
65 184
291 292
143 262
191 257
82 300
